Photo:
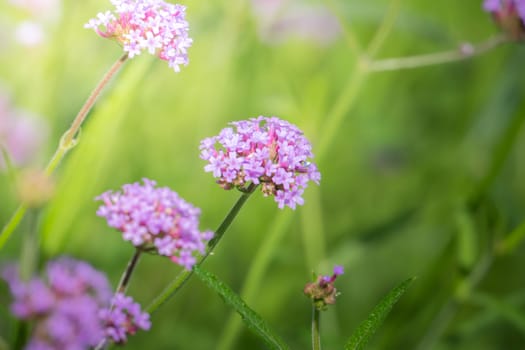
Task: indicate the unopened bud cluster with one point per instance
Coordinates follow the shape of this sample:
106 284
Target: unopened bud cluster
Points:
322 291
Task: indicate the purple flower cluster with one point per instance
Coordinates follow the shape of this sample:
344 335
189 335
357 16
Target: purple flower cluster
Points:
266 151
278 21
65 304
156 218
21 134
322 291
123 318
509 14
496 6
153 25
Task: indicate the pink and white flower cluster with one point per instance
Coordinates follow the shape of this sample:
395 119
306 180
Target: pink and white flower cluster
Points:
266 151
147 25
156 218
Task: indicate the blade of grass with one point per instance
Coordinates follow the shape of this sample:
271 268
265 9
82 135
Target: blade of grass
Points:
368 327
252 320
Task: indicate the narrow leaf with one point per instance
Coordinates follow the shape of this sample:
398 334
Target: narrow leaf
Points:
8 163
504 309
367 328
252 320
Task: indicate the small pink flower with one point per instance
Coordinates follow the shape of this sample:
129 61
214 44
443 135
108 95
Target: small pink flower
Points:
21 134
278 21
147 25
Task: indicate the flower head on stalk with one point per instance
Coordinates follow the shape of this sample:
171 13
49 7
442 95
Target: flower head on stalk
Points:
156 218
123 318
147 25
509 15
322 291
266 151
64 305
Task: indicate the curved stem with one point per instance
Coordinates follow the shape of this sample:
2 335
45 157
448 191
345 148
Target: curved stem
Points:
316 334
184 275
12 224
67 142
501 153
29 253
348 32
336 115
384 29
465 51
121 288
512 240
124 280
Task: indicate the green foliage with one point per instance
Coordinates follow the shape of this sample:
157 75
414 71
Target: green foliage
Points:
422 169
368 327
252 320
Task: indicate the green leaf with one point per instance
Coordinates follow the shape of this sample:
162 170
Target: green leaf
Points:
367 328
250 317
502 308
11 172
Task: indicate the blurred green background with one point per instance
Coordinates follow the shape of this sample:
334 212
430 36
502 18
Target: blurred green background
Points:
422 169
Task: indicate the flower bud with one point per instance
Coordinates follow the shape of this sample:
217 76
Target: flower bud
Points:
509 15
322 291
35 188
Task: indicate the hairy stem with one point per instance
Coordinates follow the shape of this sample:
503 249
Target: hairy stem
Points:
67 141
316 335
464 52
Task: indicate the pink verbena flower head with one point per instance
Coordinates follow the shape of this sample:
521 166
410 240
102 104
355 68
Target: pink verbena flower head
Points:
322 291
153 218
509 15
123 318
278 21
147 25
64 305
266 151
21 134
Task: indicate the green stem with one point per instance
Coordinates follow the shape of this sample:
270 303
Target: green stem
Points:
348 32
121 288
316 334
67 142
384 29
8 163
500 155
464 52
12 224
512 240
252 284
124 280
184 275
338 112
21 332
81 116
27 267
29 254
